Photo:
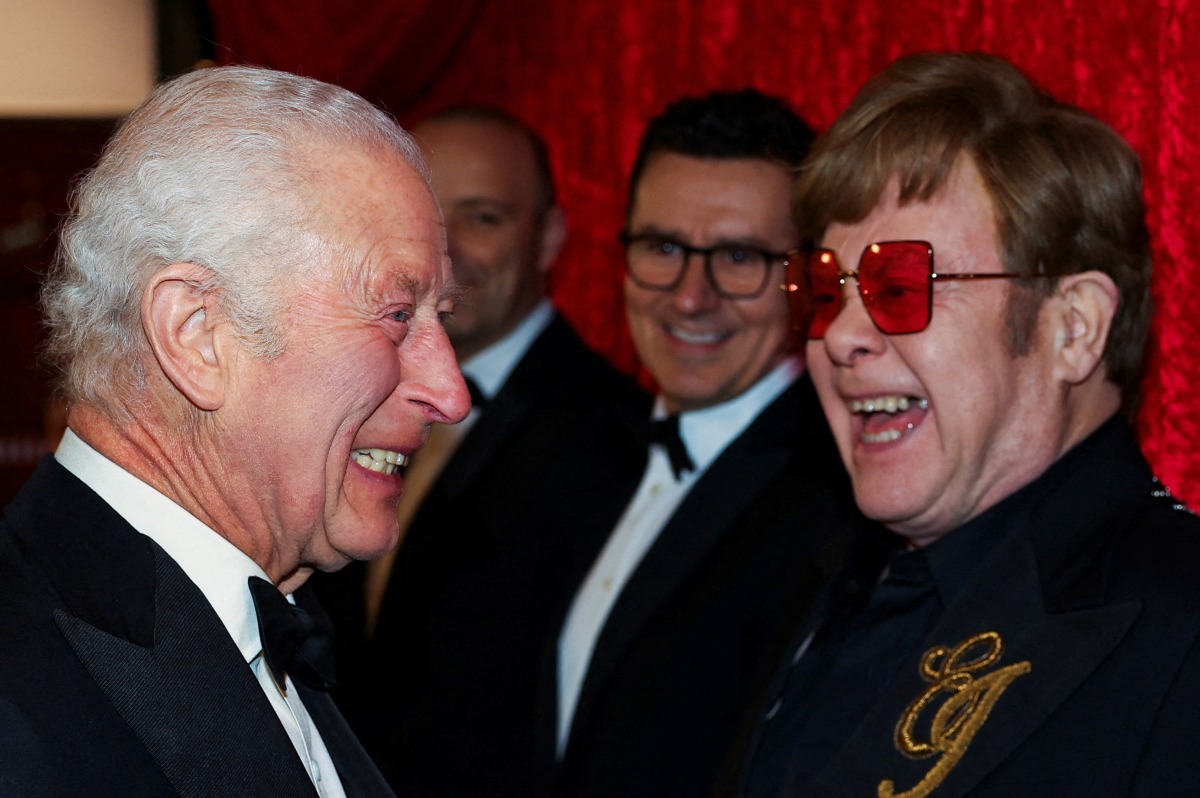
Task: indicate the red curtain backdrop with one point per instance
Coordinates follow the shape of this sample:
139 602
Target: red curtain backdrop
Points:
589 73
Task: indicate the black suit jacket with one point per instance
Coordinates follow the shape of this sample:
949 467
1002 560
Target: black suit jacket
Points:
447 700
1096 601
118 678
706 610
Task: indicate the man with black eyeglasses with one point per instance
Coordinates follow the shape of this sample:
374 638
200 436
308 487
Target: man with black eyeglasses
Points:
742 503
980 300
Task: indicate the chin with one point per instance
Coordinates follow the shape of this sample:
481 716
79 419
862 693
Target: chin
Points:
887 509
341 549
377 545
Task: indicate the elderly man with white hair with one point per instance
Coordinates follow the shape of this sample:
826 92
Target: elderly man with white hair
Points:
247 310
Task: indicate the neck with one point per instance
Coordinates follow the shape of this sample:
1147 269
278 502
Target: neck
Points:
175 460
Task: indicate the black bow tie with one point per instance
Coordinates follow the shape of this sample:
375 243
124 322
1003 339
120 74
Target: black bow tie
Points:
296 641
665 433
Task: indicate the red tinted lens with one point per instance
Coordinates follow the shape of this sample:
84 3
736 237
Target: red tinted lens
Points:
824 291
894 281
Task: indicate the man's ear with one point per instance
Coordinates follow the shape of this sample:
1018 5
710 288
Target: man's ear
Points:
1086 303
554 235
180 321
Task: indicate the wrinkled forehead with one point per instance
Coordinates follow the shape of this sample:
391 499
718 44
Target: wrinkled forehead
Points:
373 224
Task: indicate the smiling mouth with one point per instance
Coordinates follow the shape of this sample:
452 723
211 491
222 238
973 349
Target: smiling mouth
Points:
380 461
889 417
696 337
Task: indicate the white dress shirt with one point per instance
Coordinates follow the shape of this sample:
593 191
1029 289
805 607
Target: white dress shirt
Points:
221 572
706 433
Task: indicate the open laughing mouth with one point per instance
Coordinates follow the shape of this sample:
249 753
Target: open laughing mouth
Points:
889 417
380 461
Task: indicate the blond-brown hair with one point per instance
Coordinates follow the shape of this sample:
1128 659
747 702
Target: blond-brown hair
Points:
1066 188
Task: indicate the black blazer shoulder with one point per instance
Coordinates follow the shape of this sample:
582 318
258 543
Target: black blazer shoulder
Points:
1090 607
706 610
117 677
559 391
527 491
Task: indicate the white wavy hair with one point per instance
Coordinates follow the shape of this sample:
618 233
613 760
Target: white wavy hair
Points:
214 169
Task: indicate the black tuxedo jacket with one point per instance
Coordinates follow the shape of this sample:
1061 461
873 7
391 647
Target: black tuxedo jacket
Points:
492 554
1093 606
118 678
704 612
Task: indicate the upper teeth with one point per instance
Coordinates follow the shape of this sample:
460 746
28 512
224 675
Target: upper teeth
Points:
381 460
695 337
886 404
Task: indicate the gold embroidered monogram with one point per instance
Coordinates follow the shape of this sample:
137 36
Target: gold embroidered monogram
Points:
961 715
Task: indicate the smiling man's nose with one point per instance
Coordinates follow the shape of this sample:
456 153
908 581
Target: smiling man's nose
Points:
695 291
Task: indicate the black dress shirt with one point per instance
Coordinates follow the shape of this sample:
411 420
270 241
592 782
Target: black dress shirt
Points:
868 634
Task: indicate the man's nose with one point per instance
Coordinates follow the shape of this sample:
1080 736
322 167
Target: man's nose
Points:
695 290
852 332
446 390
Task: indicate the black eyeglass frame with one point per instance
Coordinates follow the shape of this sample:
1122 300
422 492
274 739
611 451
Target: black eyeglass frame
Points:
806 256
629 239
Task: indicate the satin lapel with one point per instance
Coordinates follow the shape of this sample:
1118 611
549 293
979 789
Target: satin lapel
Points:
710 511
1050 655
190 698
359 776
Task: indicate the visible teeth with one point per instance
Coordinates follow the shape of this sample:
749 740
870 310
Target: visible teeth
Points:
381 461
388 457
887 436
886 404
695 338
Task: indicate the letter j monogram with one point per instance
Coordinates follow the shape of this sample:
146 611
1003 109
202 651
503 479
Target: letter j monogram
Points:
969 701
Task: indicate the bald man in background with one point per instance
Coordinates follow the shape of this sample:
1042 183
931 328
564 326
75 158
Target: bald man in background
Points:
502 513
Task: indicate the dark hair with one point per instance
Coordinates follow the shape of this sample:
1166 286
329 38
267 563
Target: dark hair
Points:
724 125
1066 189
547 197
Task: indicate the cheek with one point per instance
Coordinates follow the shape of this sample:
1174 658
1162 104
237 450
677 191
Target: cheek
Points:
492 254
768 325
352 386
972 389
820 371
639 310
637 299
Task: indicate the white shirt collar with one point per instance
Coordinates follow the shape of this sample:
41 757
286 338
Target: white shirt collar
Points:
706 432
490 367
214 564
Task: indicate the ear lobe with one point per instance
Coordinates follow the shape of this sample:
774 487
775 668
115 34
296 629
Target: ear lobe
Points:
179 322
554 235
1088 302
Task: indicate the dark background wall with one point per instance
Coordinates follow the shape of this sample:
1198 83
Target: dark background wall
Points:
37 161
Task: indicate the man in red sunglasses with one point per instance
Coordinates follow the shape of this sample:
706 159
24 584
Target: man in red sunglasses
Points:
979 303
